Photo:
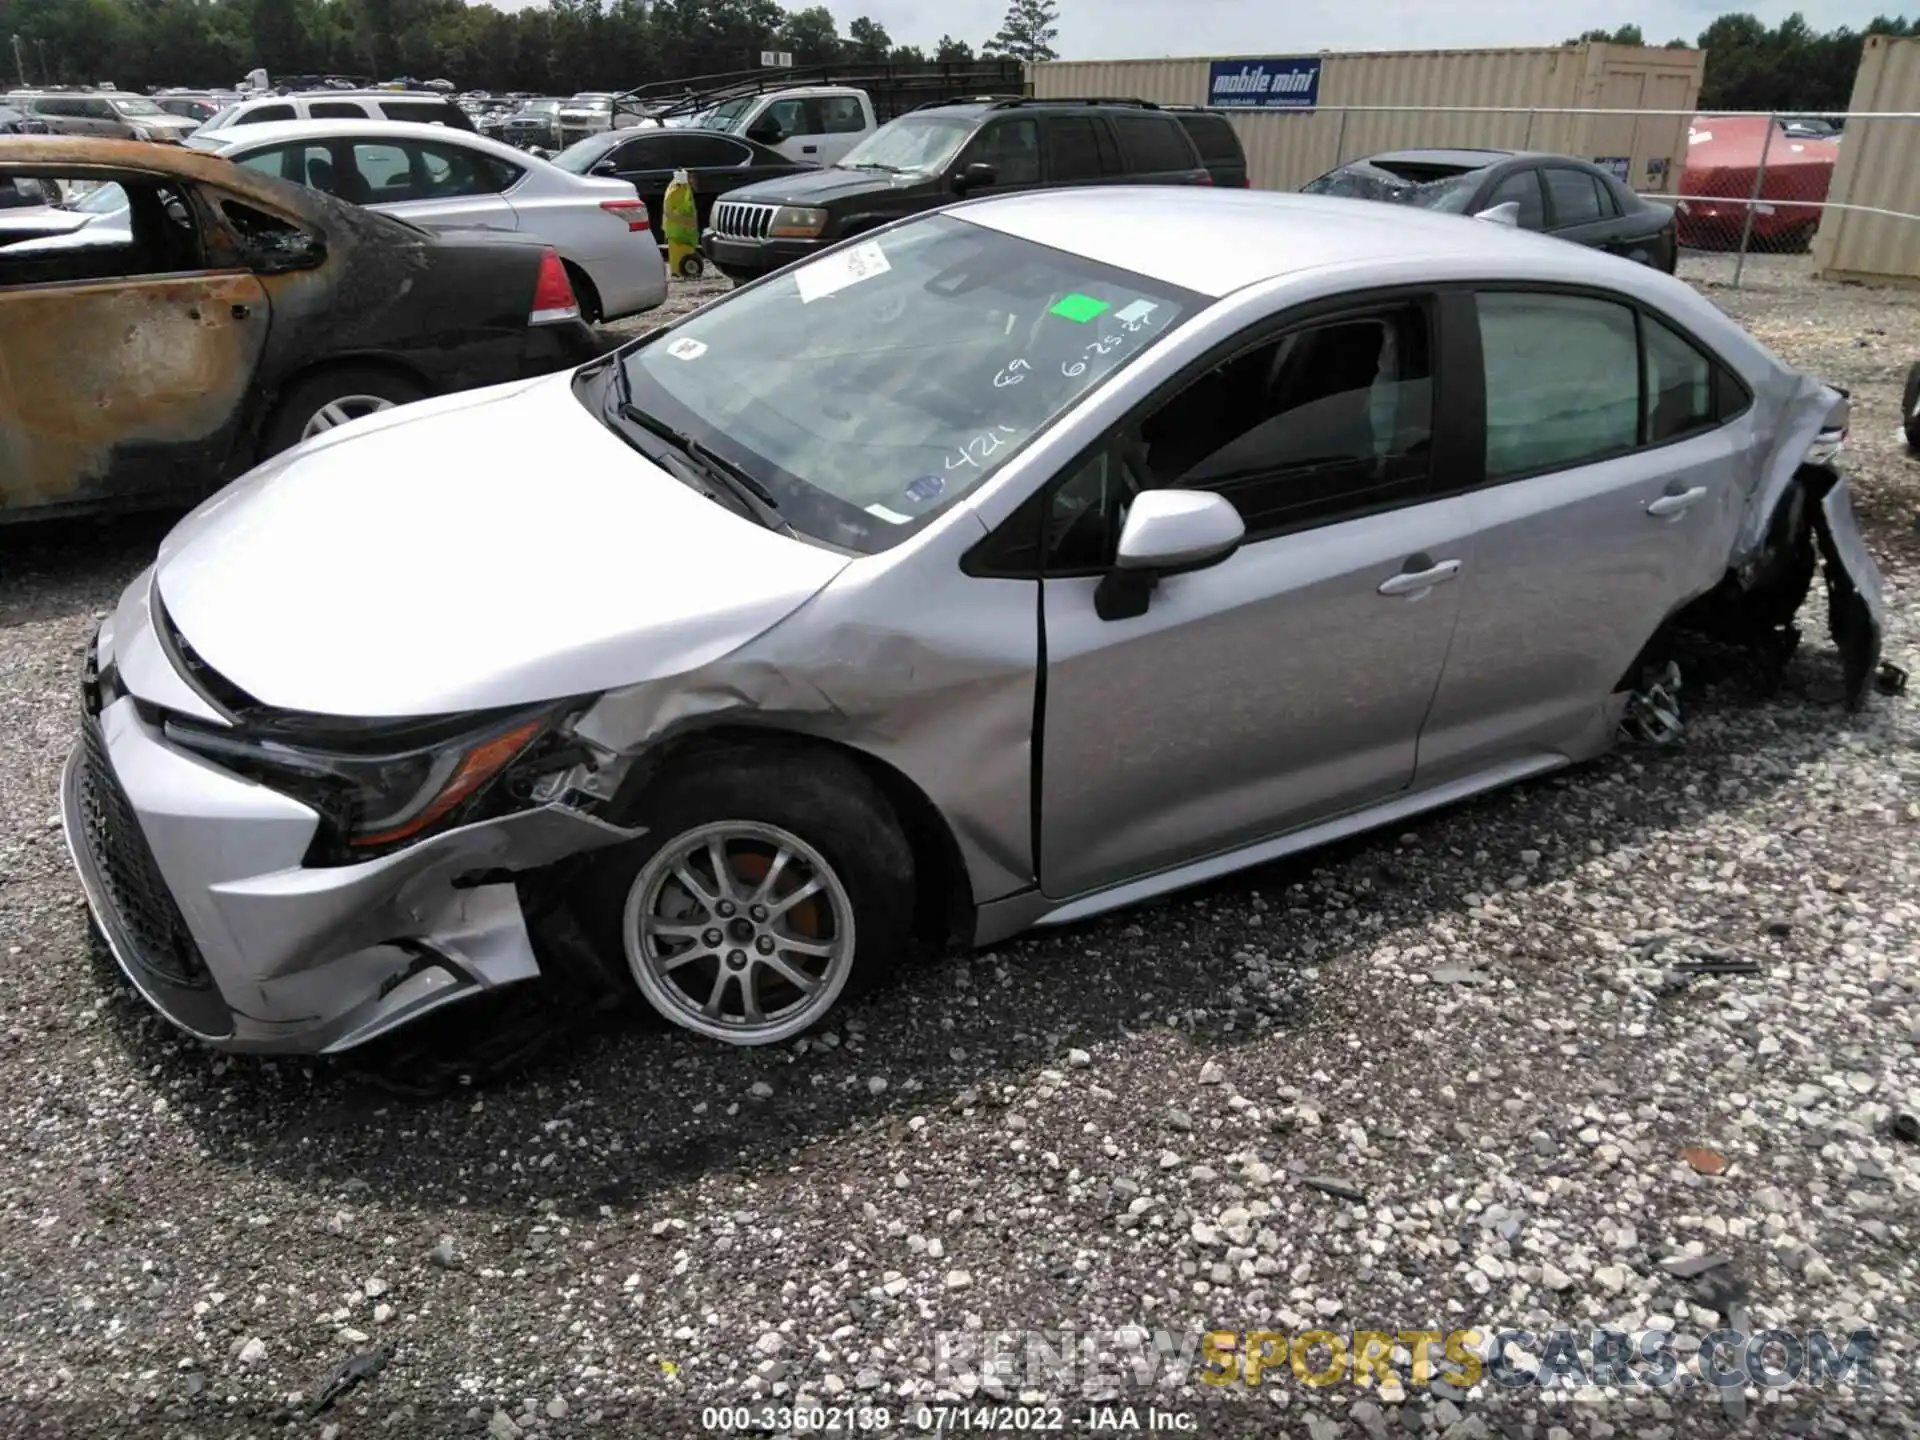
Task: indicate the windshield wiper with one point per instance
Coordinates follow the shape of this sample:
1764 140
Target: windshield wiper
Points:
752 495
867 165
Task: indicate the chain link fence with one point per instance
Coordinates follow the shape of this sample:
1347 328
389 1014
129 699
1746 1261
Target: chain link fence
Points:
1845 187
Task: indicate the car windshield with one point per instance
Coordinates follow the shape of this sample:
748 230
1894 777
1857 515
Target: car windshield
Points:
137 106
221 118
1427 186
541 107
873 387
583 155
917 143
727 117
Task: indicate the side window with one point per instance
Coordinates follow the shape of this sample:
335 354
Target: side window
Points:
384 172
788 116
137 228
1328 420
275 162
1576 200
1083 515
1072 151
1110 162
97 110
264 114
270 242
1680 384
335 110
643 154
451 172
696 152
1523 188
842 115
1012 147
1154 144
1562 381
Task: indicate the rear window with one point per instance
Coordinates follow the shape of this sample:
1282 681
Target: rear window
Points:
264 114
1154 144
1213 136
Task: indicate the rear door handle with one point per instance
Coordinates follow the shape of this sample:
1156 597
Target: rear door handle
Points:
1415 583
1677 503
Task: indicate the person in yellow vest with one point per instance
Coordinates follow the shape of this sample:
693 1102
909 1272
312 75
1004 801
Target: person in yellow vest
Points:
681 220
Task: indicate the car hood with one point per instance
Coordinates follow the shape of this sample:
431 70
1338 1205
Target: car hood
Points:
814 187
496 547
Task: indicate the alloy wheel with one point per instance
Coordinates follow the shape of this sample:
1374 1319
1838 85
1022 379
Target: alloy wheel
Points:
339 412
739 931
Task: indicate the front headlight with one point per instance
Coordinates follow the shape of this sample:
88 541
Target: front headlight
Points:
798 222
383 786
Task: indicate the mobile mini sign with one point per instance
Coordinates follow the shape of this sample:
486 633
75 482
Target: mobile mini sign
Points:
1279 84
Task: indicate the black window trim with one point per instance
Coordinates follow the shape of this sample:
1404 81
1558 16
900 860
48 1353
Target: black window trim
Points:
1451 449
1474 382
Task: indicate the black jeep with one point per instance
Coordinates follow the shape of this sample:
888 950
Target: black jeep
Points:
946 151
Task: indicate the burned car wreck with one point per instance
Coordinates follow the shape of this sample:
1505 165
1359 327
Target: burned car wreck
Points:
188 317
1000 568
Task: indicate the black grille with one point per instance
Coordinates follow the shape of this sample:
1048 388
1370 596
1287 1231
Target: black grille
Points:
153 928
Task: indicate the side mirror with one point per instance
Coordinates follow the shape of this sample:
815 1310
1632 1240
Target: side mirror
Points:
1168 532
978 173
605 167
1507 214
767 133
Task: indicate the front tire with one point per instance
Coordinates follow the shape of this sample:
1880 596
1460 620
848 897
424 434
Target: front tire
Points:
770 883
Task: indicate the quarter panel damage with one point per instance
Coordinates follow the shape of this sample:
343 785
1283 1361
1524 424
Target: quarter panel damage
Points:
951 708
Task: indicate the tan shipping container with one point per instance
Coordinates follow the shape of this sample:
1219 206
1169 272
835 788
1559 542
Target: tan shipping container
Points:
1879 166
1518 90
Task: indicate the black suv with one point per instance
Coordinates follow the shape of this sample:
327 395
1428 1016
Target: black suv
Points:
946 151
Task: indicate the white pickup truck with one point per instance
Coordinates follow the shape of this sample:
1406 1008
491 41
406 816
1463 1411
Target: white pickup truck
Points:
809 124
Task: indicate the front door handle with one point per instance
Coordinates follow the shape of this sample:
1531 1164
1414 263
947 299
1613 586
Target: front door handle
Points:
1677 503
1415 583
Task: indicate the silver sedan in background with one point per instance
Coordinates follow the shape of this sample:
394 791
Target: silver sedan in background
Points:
447 179
999 568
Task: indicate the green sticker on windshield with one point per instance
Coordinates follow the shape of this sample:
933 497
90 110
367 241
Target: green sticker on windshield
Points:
1079 308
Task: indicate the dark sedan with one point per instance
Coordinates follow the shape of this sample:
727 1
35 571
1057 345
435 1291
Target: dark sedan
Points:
647 159
1556 194
207 316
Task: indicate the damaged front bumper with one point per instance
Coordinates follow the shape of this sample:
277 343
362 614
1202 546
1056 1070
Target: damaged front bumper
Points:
1856 603
195 879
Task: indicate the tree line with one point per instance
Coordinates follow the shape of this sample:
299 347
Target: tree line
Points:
568 45
559 47
1788 67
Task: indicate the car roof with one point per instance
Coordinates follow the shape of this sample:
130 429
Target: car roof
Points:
1466 159
1229 239
232 137
346 95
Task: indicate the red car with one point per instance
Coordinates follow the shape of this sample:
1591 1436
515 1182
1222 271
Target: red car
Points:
1723 156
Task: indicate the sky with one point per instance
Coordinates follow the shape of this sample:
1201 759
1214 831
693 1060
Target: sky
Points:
1123 29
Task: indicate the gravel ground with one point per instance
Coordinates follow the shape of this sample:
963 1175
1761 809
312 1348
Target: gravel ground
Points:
1475 1025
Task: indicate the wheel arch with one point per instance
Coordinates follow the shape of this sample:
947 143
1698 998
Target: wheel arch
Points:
269 407
943 899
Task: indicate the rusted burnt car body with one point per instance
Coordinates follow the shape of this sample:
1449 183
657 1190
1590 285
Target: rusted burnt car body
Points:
154 353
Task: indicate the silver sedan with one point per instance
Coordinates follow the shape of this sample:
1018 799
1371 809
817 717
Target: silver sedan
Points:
446 179
996 569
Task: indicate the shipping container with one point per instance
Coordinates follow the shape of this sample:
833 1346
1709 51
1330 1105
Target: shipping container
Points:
1877 168
1320 110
